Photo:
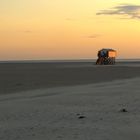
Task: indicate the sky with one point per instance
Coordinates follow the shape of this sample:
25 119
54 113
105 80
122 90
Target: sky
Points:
68 29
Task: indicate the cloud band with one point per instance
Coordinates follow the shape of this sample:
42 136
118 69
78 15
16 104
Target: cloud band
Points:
132 11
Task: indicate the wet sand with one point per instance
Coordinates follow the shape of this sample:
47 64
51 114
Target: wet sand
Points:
15 77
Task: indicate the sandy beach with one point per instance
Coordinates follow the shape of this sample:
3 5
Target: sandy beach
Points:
69 101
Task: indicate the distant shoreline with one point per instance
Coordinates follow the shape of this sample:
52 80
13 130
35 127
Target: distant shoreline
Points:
65 60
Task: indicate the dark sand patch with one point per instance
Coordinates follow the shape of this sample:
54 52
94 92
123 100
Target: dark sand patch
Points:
16 77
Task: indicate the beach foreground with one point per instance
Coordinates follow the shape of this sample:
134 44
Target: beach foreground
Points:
70 104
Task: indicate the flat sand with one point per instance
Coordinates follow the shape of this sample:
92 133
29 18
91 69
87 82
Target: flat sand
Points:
69 101
15 77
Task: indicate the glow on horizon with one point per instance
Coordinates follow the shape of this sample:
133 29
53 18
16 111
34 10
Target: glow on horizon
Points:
67 29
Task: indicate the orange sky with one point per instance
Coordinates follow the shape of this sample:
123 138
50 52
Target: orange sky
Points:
68 29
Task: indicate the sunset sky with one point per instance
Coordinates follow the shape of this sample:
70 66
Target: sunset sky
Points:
68 29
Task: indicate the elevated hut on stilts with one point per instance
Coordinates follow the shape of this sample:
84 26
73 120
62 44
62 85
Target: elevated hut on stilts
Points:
106 57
